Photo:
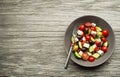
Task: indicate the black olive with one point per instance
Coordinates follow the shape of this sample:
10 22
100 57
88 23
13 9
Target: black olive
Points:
101 43
91 42
79 36
84 49
86 30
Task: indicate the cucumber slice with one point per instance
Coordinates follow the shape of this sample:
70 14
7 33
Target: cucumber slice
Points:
96 55
80 44
76 54
72 39
98 29
89 31
91 49
98 39
90 54
92 39
105 44
99 34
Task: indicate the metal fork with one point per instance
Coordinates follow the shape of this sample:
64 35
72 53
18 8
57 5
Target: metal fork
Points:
71 46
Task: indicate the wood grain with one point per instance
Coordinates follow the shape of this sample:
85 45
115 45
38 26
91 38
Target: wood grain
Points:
32 34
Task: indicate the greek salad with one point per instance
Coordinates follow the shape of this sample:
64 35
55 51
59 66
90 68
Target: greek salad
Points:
90 43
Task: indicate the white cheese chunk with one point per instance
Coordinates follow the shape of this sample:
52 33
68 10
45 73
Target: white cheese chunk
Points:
79 32
100 52
84 39
93 24
93 32
94 46
80 53
86 45
76 39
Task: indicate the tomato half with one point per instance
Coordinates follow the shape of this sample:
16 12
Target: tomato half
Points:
88 38
104 39
96 48
97 43
88 24
104 49
82 27
91 59
85 56
93 28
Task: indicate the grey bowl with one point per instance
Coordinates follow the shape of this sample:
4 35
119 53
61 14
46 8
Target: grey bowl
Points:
104 25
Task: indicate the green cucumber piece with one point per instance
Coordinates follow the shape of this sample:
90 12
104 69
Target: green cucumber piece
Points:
80 44
91 49
96 55
98 39
72 39
99 34
77 55
105 44
98 29
89 53
89 31
92 39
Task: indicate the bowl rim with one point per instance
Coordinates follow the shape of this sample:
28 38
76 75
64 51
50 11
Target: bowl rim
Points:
110 54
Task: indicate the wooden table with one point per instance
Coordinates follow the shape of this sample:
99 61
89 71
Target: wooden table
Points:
32 37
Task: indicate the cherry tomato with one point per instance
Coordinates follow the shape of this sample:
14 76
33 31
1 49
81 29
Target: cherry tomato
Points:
93 28
91 59
88 24
96 48
82 27
105 33
97 43
83 38
104 49
88 38
85 56
104 39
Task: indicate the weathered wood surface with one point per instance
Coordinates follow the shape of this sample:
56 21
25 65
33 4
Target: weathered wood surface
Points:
32 34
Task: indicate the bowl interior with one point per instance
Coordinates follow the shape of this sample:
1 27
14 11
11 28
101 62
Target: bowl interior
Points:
104 25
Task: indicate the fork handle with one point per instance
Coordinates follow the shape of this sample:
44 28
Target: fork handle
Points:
68 57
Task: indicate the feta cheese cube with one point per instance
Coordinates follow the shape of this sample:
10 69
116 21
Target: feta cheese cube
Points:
80 53
84 39
100 52
86 45
79 32
76 39
93 32
94 46
93 24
